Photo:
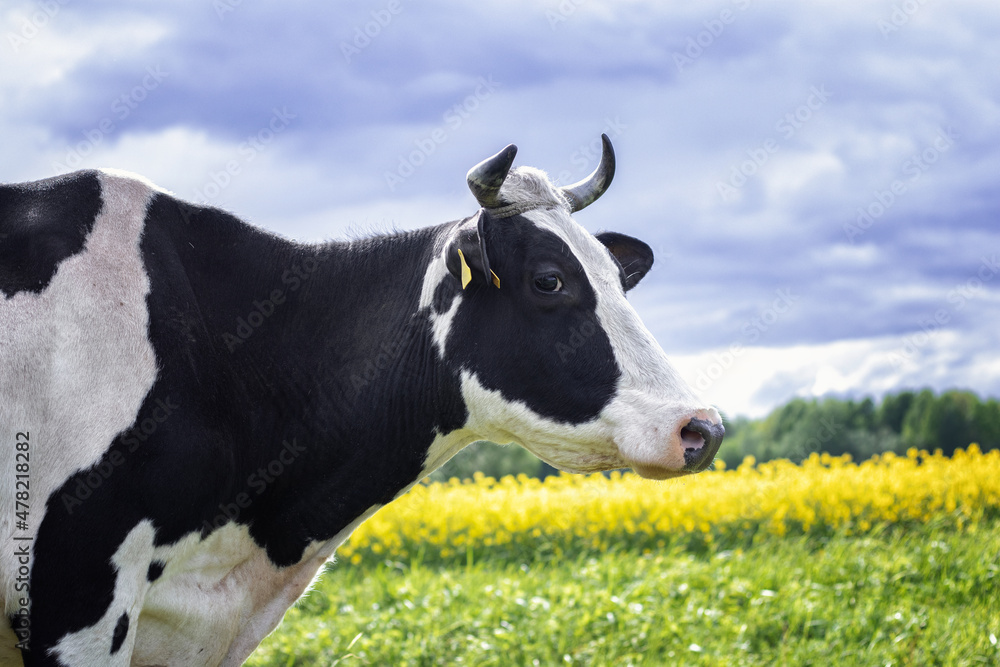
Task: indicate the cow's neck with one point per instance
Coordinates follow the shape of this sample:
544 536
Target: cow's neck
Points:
336 378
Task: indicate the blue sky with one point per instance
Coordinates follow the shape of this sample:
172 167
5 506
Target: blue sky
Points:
819 180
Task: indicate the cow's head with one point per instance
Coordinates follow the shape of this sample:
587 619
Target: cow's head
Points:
550 354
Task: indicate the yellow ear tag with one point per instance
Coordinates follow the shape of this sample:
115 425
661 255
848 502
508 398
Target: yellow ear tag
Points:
496 280
466 271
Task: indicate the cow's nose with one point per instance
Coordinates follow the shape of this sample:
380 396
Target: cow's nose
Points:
701 440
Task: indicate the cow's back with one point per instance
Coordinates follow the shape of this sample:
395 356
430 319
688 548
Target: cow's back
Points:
75 360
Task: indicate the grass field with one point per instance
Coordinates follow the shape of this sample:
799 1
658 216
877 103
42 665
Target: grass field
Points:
789 580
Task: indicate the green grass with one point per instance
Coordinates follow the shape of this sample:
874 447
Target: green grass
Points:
925 596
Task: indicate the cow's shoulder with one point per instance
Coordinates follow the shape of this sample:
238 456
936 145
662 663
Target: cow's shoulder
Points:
41 224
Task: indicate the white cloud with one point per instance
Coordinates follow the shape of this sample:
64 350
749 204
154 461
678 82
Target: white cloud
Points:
750 381
47 42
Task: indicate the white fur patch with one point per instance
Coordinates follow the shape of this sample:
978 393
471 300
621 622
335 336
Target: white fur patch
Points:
75 361
441 324
436 273
285 587
585 447
217 599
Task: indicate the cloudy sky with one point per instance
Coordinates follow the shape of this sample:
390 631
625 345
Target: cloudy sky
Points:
819 180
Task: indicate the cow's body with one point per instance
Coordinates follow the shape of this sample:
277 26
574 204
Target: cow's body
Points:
210 410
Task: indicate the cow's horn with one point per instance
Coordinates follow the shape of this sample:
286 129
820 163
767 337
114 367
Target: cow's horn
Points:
584 193
486 177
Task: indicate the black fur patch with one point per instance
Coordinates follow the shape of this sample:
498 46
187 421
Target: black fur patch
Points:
121 631
546 350
41 224
155 570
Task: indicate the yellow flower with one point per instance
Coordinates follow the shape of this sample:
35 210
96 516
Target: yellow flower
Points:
573 513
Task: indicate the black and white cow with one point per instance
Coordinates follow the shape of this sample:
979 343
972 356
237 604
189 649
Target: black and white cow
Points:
195 413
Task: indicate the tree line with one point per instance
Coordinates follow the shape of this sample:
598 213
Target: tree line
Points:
862 428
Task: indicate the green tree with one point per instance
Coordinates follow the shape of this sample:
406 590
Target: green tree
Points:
893 410
945 422
986 429
915 430
490 459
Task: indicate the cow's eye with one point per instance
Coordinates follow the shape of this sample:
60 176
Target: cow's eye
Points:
549 283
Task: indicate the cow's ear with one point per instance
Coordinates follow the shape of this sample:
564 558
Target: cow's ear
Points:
635 256
466 256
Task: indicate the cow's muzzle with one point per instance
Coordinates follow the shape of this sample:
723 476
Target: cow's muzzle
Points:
701 440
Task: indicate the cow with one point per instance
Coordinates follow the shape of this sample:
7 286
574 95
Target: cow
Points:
195 413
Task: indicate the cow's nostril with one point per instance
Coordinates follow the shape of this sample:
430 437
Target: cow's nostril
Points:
692 438
701 440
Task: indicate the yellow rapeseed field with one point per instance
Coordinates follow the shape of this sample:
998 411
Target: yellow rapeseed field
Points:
573 513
